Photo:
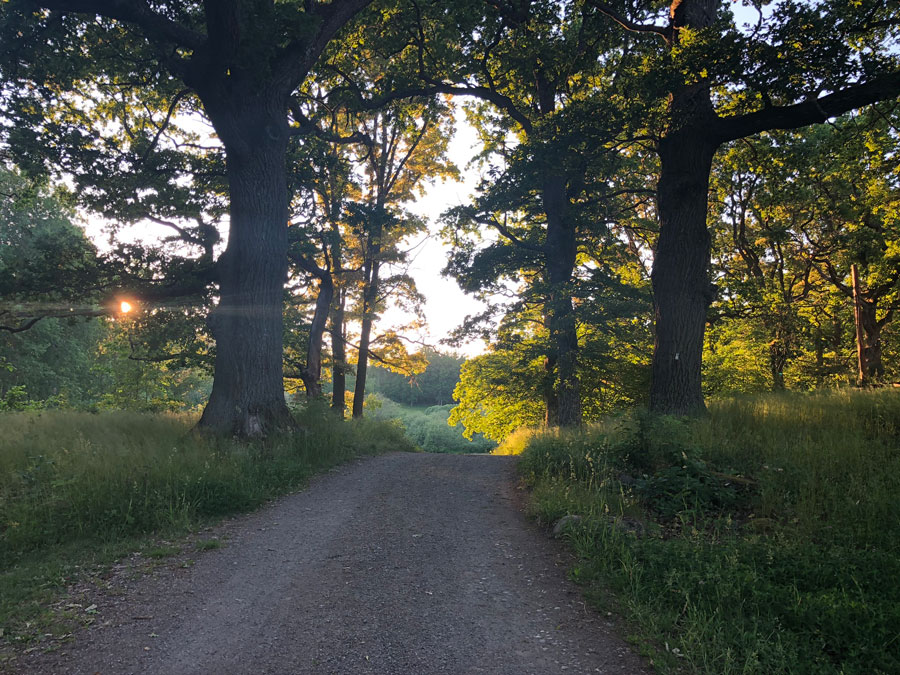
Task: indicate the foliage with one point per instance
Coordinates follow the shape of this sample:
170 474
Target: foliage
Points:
53 360
433 386
499 392
72 478
793 213
503 390
428 427
755 540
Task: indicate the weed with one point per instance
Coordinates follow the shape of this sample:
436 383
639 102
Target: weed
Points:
160 552
209 544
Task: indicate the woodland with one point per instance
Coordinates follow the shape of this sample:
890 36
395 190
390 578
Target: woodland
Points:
685 234
661 188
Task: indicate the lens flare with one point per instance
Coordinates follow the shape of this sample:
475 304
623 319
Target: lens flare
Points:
125 307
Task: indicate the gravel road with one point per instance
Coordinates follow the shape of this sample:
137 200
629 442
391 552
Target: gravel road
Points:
404 563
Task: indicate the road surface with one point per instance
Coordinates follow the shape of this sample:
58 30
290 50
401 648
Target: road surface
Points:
403 564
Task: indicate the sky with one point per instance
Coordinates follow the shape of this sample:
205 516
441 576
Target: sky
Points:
446 305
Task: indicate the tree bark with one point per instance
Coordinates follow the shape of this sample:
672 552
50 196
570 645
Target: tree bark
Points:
338 356
868 332
548 392
682 290
872 348
778 360
874 356
365 335
862 369
680 278
247 397
312 373
779 325
561 251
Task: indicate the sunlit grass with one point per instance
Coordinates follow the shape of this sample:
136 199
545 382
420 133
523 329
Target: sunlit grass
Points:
767 529
516 442
427 427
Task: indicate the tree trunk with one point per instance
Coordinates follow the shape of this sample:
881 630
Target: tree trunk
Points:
561 251
862 376
338 356
365 334
680 278
777 363
837 343
779 326
872 360
820 359
247 397
548 392
682 290
312 374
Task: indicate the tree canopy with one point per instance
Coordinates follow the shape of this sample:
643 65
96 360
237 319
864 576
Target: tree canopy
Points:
669 191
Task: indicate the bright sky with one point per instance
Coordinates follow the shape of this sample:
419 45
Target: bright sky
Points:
446 305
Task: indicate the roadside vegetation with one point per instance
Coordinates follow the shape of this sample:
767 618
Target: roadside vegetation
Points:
79 489
761 538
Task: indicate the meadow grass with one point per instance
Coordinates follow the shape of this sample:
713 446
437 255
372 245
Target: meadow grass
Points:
78 489
427 427
762 538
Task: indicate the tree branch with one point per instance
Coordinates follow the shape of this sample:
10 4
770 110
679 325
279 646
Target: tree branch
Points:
137 12
629 25
306 126
810 111
301 54
484 93
308 266
32 320
506 232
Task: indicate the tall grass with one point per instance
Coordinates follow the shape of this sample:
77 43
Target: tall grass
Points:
72 480
759 539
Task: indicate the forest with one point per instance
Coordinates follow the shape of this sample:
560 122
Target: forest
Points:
684 238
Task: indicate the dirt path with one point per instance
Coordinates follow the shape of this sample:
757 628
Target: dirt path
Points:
406 564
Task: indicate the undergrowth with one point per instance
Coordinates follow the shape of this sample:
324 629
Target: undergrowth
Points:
79 488
763 538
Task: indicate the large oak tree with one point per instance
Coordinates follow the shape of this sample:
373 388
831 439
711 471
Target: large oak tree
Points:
803 63
243 60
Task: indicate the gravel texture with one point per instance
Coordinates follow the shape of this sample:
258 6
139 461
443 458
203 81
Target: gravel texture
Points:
404 563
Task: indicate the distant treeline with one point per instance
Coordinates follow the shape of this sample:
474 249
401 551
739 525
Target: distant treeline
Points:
434 386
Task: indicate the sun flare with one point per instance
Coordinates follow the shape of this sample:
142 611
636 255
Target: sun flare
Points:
125 307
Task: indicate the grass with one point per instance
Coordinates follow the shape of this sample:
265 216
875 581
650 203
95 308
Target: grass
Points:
763 538
81 489
428 428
